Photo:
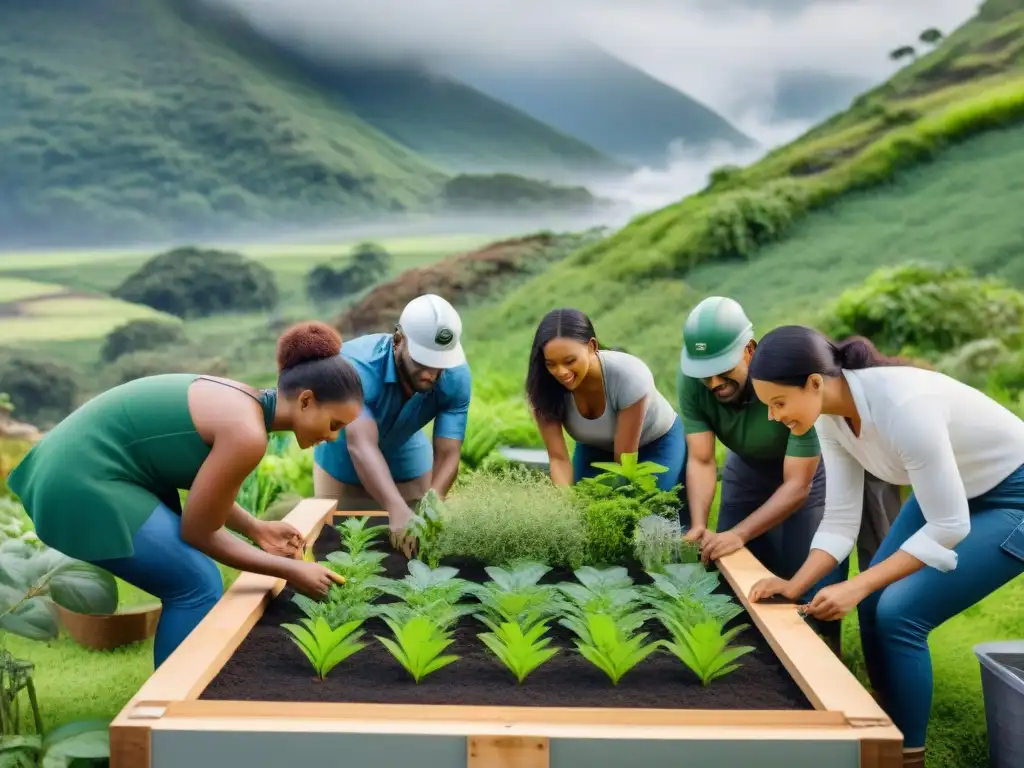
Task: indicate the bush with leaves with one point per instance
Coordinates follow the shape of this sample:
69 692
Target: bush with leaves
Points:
921 309
42 391
502 518
139 336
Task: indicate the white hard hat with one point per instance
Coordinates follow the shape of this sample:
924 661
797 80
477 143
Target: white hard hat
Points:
433 331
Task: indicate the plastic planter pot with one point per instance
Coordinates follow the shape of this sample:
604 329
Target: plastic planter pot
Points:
1002 683
169 724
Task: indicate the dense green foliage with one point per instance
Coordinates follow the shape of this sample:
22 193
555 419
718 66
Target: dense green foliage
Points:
140 336
42 391
509 192
368 264
197 282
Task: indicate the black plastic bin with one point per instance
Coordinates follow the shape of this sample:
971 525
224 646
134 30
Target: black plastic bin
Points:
1002 684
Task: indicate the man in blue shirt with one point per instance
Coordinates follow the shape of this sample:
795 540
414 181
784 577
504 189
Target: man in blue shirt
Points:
383 460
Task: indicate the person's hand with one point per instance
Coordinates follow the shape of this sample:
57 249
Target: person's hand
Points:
401 540
834 601
695 534
278 538
718 545
312 579
771 586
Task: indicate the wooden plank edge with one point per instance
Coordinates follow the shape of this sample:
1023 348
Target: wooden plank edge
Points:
881 747
189 669
589 716
821 675
508 752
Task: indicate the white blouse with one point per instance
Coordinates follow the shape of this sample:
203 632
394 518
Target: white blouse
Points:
947 440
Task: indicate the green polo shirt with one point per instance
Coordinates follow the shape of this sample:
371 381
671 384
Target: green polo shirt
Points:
746 430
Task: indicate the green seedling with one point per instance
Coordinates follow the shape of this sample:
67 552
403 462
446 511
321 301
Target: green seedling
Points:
611 648
417 645
514 595
705 649
686 594
343 604
325 647
425 526
424 585
658 541
356 537
522 652
356 567
607 591
444 615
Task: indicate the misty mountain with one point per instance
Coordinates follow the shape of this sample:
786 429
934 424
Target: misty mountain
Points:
812 96
607 103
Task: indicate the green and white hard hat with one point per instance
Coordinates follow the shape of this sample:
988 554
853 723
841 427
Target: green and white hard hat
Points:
714 336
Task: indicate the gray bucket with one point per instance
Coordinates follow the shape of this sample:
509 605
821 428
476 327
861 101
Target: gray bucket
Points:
1002 685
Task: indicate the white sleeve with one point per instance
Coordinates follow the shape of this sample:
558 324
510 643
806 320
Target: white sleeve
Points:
919 433
844 498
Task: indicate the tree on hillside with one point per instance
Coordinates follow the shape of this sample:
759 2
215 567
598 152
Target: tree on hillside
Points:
42 391
931 36
903 52
369 264
139 335
197 282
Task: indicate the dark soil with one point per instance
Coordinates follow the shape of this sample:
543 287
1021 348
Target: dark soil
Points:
267 666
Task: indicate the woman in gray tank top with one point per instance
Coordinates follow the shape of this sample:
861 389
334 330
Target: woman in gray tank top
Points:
606 400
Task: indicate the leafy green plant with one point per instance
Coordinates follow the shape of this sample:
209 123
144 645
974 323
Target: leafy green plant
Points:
686 593
515 595
324 646
628 471
85 740
357 567
418 644
521 651
611 647
658 541
424 585
705 649
607 591
426 526
344 603
356 537
440 612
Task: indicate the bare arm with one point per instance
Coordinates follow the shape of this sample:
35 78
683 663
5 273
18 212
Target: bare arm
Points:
797 475
558 452
371 467
211 502
629 423
701 477
241 521
447 453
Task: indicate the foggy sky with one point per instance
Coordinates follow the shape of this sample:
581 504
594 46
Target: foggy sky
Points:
733 55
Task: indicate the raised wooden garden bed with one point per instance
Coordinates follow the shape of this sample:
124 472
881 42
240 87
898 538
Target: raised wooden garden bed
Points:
238 691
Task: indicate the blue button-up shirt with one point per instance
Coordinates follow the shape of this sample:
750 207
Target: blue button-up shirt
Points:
400 422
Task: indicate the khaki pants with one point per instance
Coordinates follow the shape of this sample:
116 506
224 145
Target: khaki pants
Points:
355 498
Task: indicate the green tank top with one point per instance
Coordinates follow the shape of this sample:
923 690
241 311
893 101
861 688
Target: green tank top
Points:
96 477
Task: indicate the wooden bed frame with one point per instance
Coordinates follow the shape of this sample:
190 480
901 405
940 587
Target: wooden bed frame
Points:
166 725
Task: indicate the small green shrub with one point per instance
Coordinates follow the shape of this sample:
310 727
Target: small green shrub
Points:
511 516
139 336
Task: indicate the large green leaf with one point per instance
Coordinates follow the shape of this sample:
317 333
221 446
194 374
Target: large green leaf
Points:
34 620
84 588
81 740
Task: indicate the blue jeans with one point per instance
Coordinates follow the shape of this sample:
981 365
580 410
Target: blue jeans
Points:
669 450
187 582
895 621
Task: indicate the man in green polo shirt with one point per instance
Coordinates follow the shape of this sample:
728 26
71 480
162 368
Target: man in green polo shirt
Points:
773 482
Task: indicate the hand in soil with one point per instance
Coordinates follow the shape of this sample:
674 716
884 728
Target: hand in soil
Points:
312 579
277 538
403 542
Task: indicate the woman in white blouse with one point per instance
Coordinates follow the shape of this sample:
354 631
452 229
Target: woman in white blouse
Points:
959 536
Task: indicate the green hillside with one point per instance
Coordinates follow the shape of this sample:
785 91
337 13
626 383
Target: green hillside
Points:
123 119
909 134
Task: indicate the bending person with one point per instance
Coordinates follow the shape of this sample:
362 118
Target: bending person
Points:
958 537
412 377
102 486
605 400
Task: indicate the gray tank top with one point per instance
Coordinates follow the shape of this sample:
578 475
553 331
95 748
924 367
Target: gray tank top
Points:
626 379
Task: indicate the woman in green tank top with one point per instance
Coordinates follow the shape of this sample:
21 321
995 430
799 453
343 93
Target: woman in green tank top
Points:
102 486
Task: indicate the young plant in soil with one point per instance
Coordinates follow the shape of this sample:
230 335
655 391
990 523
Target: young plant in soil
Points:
521 651
425 526
343 604
685 592
324 646
514 595
607 591
608 644
658 541
356 567
431 592
705 649
356 537
417 645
